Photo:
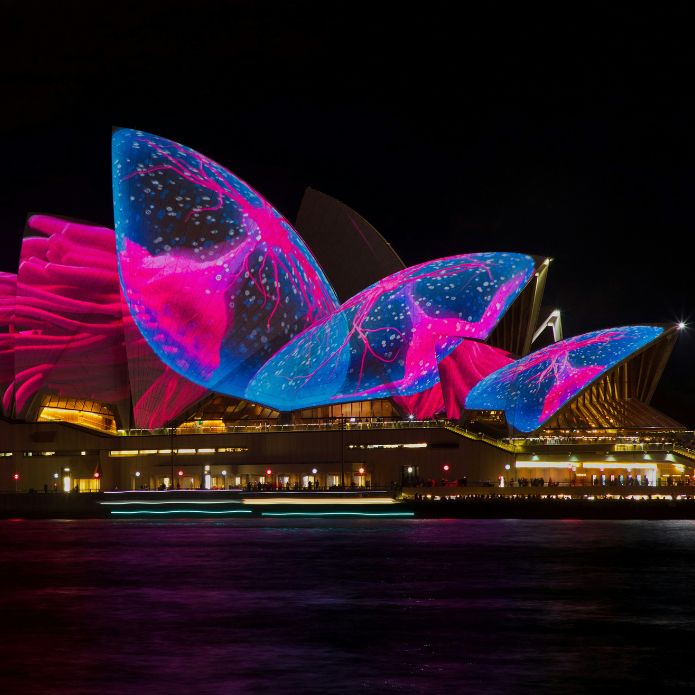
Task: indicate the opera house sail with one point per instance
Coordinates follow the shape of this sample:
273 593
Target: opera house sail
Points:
205 299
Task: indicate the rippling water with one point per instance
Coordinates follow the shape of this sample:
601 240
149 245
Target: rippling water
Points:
494 606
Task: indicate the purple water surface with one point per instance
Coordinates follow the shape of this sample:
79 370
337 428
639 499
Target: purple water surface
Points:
314 606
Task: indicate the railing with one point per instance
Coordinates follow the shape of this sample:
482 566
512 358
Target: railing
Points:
500 444
261 427
615 440
513 446
684 451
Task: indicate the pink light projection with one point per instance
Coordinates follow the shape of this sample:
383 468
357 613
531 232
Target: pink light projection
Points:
459 373
159 394
68 321
171 287
229 296
8 300
464 368
389 339
426 404
71 328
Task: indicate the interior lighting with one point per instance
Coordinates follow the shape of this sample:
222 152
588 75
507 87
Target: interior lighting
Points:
180 511
342 501
160 502
632 464
366 514
541 464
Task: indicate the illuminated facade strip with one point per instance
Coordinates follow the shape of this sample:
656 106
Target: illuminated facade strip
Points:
418 445
181 511
584 464
364 514
626 464
111 504
185 452
304 500
170 491
544 464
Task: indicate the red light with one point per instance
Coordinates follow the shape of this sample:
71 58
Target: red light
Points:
180 472
361 471
446 466
16 476
96 474
269 472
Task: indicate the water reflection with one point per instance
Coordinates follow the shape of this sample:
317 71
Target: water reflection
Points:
494 606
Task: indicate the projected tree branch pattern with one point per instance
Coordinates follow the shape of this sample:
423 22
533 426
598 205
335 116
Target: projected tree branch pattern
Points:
215 277
228 295
389 339
219 293
532 389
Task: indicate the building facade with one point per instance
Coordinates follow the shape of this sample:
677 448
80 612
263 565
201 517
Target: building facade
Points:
203 343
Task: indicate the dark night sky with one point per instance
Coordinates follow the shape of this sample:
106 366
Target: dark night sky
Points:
569 135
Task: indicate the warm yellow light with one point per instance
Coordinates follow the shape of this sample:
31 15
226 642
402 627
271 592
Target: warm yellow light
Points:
541 464
626 465
320 500
95 421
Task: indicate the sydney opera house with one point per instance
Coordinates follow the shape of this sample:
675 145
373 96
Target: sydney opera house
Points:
206 342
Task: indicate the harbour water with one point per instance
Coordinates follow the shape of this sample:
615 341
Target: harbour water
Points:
344 606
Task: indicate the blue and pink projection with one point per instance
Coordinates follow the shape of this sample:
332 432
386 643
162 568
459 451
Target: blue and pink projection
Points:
228 295
389 339
215 278
532 389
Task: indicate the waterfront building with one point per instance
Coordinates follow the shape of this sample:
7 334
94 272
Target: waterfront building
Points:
206 343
